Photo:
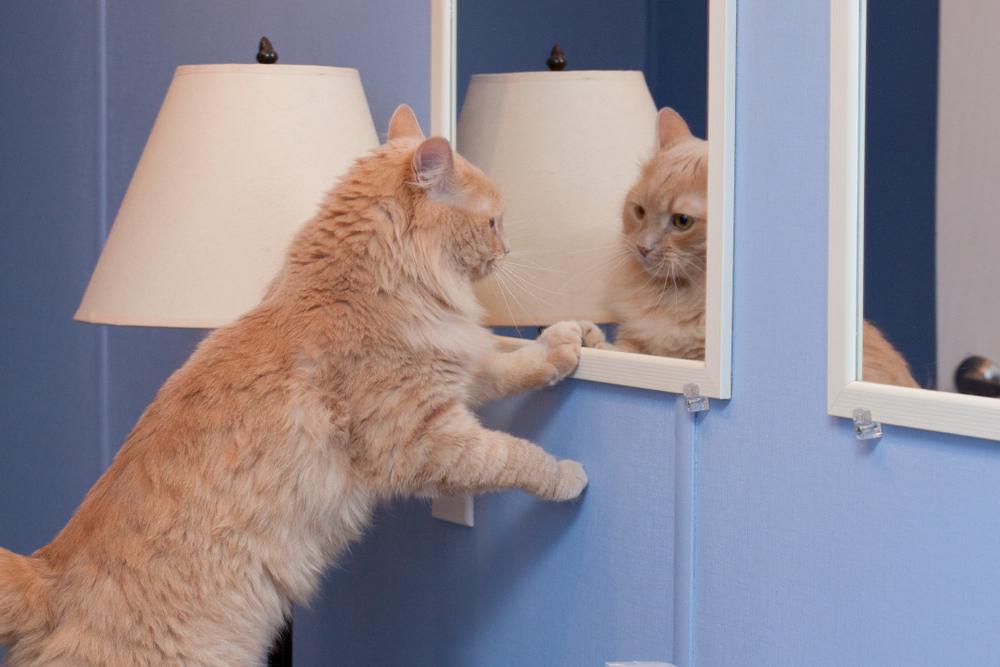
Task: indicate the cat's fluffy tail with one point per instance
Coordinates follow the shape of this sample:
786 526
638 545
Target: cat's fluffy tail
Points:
23 596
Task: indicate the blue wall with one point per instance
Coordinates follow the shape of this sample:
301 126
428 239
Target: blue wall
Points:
811 549
49 174
901 179
533 583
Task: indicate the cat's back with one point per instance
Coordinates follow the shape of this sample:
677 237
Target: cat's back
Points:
881 362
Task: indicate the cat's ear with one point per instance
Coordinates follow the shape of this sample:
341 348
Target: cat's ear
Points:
434 167
670 127
404 123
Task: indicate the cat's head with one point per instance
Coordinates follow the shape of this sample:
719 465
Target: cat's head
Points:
665 230
456 208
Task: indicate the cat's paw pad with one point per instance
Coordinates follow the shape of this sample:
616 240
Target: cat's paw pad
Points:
593 336
572 480
562 341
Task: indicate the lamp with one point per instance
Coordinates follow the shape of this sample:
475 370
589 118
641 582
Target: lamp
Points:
564 147
238 159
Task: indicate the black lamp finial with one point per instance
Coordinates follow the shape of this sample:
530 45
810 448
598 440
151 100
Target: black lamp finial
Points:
557 59
266 55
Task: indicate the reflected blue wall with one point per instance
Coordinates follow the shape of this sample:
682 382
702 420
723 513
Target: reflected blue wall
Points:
901 179
666 39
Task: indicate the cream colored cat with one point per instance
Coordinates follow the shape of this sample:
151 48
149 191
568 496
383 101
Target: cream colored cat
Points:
881 362
264 455
658 295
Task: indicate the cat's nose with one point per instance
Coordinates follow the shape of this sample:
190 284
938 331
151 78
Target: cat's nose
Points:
643 250
506 248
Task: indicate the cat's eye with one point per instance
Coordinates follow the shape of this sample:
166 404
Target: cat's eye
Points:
639 211
493 223
681 221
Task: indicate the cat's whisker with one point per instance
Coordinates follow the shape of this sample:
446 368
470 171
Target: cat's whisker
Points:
502 290
521 284
529 267
520 305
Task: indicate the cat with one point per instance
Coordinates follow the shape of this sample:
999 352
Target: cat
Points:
881 362
263 457
658 295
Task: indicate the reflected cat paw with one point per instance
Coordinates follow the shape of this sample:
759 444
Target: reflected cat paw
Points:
592 334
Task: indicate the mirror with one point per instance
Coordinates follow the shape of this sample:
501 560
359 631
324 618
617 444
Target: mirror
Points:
931 238
912 158
592 118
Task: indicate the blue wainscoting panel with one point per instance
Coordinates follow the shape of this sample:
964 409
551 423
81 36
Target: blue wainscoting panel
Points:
533 583
813 548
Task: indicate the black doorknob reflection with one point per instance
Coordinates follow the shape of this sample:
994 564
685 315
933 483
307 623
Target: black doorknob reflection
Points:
979 376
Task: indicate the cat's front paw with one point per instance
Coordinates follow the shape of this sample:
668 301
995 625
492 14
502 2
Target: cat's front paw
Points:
593 336
571 482
562 342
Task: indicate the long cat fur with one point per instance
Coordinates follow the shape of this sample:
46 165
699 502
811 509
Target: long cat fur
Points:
265 454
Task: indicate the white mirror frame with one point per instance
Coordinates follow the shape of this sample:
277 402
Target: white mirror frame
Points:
918 408
713 375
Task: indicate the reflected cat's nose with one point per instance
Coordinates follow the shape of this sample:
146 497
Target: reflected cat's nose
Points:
643 250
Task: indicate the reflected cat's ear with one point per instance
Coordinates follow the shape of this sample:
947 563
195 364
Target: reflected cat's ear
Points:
434 167
670 127
404 123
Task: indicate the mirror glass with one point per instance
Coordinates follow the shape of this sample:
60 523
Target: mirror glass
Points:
932 162
604 192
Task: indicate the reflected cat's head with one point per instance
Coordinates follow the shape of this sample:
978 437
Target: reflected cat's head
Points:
456 210
664 218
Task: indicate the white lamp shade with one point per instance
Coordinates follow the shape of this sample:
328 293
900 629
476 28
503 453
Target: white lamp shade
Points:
237 161
564 147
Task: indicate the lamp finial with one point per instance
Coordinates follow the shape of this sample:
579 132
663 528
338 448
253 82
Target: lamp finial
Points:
557 59
266 55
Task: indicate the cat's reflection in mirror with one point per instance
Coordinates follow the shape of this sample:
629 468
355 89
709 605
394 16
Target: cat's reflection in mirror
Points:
881 362
658 291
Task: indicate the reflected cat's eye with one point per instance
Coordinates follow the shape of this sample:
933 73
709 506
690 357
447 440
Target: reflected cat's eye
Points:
639 211
493 223
681 221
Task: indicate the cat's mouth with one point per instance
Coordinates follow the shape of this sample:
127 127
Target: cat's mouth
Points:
665 270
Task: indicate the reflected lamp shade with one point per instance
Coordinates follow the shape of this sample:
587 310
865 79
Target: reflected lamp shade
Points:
564 149
237 161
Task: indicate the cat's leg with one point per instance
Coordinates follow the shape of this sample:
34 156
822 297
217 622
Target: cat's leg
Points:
594 337
547 360
456 455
